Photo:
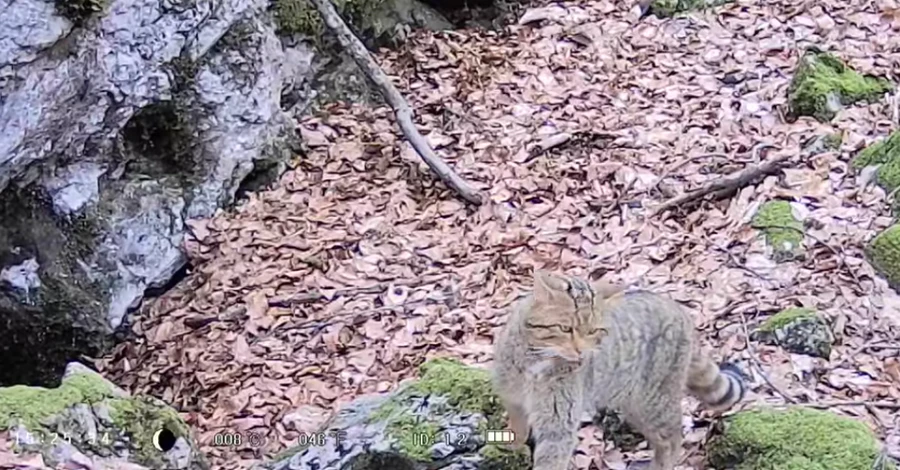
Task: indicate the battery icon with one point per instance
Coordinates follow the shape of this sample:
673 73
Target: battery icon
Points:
501 437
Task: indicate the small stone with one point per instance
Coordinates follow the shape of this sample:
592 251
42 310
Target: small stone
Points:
797 330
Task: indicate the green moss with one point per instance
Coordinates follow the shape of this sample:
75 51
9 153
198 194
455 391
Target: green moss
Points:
140 418
783 232
466 388
797 439
786 317
667 8
78 11
413 435
498 457
821 77
884 253
31 405
833 141
301 16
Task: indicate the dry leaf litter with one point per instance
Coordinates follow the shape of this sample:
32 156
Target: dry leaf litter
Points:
357 264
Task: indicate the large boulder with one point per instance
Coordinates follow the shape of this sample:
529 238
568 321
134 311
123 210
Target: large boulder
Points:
87 422
118 125
439 421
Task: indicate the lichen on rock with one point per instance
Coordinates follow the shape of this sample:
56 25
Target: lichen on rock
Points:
798 330
884 253
823 83
793 439
435 421
784 233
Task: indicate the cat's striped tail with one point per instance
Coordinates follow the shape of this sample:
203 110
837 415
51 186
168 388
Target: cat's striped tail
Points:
719 387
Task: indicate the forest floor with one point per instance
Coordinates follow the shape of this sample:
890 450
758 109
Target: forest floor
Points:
357 264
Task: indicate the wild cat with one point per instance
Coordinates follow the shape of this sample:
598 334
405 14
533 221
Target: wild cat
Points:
573 347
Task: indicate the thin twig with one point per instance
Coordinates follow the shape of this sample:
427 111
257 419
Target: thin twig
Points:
668 172
731 182
756 363
401 108
887 405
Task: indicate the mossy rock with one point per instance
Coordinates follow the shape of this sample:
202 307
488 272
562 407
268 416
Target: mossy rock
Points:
784 233
823 83
94 416
885 153
884 254
795 439
440 417
798 330
667 8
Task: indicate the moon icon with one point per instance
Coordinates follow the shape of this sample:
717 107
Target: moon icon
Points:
156 440
164 440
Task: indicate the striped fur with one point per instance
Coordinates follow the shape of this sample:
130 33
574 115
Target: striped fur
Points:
573 348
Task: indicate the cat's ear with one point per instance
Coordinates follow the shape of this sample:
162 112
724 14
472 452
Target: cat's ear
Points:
606 289
548 286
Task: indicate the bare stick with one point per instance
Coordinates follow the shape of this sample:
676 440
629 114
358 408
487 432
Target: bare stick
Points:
401 108
731 182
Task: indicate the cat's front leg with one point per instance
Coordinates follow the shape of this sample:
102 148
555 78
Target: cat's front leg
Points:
553 416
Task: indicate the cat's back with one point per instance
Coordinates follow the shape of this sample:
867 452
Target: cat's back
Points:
649 342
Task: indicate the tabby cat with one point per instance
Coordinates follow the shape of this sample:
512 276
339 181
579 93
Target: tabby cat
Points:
572 348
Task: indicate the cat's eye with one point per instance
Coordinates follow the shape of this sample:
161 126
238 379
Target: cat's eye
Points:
565 328
599 331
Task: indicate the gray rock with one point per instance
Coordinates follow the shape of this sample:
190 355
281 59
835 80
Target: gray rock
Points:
422 425
74 186
112 135
23 277
797 330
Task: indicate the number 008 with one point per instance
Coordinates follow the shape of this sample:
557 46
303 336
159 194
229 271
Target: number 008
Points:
226 439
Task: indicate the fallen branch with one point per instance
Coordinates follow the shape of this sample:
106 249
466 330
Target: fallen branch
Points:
728 183
401 108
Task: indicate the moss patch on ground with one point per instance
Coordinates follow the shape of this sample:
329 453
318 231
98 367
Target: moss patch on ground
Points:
667 8
31 405
822 82
884 253
786 317
796 439
783 232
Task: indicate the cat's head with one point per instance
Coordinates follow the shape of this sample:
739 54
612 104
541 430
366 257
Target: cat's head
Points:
565 318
